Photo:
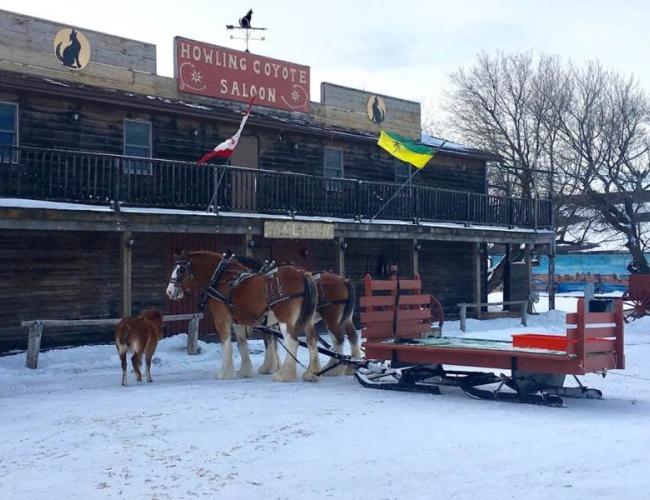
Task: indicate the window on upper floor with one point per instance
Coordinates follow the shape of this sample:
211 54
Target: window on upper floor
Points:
402 173
137 142
8 132
333 167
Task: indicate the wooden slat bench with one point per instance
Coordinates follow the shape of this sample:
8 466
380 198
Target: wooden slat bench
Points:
397 309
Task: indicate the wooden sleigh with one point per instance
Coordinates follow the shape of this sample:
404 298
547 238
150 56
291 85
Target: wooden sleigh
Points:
538 364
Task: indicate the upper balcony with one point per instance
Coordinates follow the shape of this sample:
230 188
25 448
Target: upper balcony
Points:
101 179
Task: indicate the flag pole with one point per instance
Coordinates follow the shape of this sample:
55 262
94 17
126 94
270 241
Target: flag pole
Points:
217 183
408 181
222 147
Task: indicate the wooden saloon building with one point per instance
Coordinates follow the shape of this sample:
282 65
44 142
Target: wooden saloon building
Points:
99 183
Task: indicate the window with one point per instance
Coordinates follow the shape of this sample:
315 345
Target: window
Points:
333 167
8 132
137 142
402 173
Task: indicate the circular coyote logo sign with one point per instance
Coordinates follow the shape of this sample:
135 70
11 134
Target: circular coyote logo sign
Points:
71 48
376 109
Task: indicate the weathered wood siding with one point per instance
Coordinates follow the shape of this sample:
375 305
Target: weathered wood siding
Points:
347 108
446 269
29 40
49 123
73 275
450 172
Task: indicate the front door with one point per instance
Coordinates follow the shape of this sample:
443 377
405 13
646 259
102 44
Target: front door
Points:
244 183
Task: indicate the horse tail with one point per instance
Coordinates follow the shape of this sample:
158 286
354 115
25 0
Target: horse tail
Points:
122 335
352 300
309 303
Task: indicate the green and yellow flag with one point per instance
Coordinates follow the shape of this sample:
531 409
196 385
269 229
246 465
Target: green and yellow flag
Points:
405 149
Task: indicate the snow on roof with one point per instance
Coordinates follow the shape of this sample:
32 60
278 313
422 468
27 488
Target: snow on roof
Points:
437 142
454 147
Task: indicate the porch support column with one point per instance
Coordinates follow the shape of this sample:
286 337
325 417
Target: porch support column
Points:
551 277
528 259
506 276
126 246
248 245
415 257
341 247
476 276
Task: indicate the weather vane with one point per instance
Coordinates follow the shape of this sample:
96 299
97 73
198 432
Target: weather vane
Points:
245 24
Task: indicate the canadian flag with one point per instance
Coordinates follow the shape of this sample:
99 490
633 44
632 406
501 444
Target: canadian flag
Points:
225 149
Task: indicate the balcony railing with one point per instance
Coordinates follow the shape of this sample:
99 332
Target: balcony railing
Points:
92 178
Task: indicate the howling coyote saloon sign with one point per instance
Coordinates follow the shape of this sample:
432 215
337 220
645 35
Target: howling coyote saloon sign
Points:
239 76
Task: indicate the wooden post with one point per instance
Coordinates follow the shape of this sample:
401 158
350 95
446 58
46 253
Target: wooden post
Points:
463 315
416 257
524 313
620 341
506 275
476 271
341 247
528 259
126 245
247 244
551 277
193 336
34 344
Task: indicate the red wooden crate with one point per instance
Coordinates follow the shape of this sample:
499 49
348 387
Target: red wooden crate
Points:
539 341
550 342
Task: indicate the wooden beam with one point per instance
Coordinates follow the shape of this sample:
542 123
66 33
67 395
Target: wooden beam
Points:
34 344
340 255
415 252
551 277
247 244
528 259
126 246
476 274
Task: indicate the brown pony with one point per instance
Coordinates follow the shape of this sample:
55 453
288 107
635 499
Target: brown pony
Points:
285 295
140 336
336 302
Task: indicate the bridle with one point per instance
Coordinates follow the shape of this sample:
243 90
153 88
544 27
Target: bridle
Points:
183 273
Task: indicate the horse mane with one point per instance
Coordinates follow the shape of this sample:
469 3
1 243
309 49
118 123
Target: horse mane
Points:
252 263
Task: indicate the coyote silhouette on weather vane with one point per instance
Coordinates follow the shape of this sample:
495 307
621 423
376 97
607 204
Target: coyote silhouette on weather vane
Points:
245 24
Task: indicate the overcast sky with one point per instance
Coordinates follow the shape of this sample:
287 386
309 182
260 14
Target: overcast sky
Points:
404 48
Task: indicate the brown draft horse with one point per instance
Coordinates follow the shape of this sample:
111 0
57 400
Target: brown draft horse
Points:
285 295
140 336
336 302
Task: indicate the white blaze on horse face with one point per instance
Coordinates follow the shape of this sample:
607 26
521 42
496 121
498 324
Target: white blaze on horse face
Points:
174 292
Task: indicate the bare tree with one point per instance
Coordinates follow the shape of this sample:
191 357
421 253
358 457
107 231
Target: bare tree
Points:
579 134
499 105
604 129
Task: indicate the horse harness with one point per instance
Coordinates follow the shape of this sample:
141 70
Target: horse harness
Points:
323 301
273 290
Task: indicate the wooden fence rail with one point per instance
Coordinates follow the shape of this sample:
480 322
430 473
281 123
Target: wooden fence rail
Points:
36 332
464 306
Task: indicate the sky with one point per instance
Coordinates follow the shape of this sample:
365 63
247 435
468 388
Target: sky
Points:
71 431
403 49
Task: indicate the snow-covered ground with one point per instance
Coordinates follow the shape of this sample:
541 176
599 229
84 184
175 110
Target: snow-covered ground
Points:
69 430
